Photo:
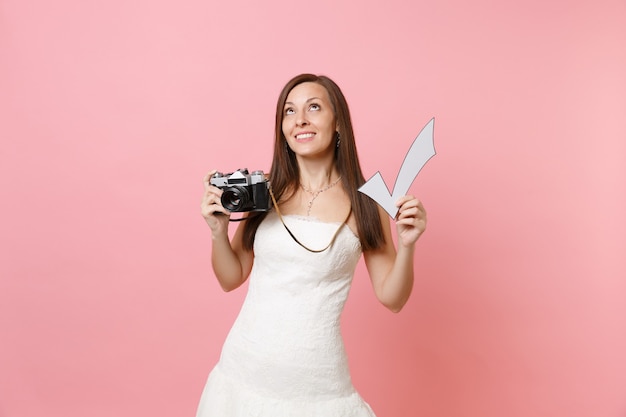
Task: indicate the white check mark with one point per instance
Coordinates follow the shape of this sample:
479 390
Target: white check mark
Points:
422 149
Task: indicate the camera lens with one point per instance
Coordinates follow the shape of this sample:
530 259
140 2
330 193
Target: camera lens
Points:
235 198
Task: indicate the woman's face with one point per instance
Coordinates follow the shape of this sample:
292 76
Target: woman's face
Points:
309 123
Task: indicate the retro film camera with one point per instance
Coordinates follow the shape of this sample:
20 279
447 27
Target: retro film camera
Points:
243 191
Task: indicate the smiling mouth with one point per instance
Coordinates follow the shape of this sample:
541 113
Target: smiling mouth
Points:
304 136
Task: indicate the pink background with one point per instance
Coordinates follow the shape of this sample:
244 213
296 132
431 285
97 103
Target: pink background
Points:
111 113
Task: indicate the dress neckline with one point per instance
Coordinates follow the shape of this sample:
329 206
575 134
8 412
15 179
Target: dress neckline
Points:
309 219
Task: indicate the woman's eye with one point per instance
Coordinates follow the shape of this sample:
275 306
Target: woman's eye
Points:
289 111
314 107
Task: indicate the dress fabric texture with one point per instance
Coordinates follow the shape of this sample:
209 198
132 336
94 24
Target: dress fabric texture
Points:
284 356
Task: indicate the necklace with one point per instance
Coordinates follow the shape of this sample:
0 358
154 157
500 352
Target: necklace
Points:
280 216
317 193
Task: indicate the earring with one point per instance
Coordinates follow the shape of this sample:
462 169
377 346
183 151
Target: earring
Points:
338 139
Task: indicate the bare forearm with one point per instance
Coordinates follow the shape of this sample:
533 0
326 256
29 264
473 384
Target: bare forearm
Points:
226 264
397 286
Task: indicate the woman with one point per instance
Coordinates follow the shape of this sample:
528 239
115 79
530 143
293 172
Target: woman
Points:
284 356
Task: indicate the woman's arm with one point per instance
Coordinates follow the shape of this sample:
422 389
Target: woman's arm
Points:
391 271
231 262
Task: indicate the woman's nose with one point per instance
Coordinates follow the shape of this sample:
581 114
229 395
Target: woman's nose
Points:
301 119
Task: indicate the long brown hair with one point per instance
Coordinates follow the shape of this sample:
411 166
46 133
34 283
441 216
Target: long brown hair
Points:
285 173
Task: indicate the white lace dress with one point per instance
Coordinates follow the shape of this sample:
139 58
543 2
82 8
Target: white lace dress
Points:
284 356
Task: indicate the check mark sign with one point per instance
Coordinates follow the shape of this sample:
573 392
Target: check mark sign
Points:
422 149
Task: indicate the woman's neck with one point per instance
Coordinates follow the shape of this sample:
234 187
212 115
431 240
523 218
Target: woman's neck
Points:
317 175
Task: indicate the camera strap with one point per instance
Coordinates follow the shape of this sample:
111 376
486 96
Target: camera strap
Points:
280 216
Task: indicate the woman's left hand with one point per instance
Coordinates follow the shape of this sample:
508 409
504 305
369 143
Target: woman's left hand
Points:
410 220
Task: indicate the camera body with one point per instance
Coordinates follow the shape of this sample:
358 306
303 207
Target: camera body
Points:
243 191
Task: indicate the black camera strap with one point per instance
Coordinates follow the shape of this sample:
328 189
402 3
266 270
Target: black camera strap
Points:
280 216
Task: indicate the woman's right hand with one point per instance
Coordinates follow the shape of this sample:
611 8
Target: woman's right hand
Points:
215 215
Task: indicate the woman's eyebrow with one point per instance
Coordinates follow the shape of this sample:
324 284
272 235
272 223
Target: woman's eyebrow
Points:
310 99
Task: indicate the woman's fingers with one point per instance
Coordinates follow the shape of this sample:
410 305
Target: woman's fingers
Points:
207 179
411 218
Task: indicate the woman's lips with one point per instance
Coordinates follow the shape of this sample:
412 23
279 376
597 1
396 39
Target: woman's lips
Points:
305 136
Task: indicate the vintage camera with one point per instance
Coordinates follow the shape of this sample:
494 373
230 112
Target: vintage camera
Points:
243 191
